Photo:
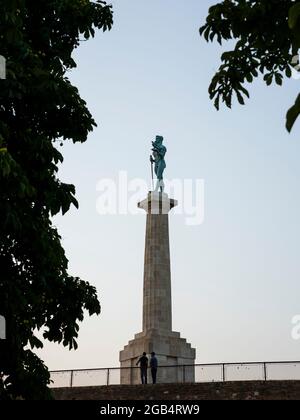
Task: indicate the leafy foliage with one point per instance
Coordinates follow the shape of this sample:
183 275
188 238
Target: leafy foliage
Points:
268 37
39 107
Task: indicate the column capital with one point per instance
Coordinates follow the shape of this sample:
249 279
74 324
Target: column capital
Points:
157 203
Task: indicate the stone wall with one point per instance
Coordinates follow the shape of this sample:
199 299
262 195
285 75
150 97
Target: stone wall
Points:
277 390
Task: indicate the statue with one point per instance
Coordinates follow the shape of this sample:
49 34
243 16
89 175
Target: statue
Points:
158 158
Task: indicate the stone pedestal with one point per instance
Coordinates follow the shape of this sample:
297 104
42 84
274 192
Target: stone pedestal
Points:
157 335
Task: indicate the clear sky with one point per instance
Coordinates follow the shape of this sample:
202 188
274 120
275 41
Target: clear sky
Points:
235 278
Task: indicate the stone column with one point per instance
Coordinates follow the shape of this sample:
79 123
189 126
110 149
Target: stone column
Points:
157 335
157 305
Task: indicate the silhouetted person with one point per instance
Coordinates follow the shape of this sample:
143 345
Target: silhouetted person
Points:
143 362
153 366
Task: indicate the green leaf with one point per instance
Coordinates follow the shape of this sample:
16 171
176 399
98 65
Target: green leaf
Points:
75 202
278 78
249 78
268 78
217 102
294 14
240 98
288 72
293 114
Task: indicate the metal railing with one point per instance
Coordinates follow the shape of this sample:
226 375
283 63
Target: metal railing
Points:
199 373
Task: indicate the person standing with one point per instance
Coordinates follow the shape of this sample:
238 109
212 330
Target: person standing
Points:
153 366
143 362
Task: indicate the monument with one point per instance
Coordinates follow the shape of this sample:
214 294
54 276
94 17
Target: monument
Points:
157 334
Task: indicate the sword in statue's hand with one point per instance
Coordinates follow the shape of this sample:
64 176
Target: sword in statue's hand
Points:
152 176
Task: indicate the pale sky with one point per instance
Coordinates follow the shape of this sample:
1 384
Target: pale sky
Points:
235 278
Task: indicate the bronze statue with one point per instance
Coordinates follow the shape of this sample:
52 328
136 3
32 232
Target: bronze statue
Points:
158 158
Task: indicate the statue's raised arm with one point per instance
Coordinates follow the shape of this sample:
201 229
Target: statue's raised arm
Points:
158 158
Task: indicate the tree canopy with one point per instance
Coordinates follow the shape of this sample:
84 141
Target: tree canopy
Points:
39 109
267 34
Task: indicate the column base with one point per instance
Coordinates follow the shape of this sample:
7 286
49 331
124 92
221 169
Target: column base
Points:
170 349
